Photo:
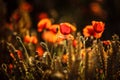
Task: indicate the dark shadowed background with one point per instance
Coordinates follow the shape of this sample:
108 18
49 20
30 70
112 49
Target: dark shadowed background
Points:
80 12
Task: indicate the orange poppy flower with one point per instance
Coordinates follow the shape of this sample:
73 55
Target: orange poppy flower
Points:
98 26
55 28
67 28
89 31
96 29
27 39
44 23
32 39
49 36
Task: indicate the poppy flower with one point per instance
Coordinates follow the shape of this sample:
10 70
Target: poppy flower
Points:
42 15
107 42
54 28
44 24
27 39
97 35
19 53
26 6
96 29
88 31
49 36
74 43
15 16
34 39
67 28
30 39
39 50
98 26
10 26
11 66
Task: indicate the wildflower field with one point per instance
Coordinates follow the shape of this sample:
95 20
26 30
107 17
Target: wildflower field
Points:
57 51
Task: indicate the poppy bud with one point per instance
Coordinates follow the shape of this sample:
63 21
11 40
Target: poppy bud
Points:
74 43
27 39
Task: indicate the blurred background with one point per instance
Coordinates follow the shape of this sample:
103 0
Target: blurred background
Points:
78 12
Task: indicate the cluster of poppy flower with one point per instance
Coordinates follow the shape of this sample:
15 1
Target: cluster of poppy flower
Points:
75 57
64 33
55 33
64 30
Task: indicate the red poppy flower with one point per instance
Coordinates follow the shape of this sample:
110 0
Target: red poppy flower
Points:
98 26
74 43
15 16
26 6
96 29
97 35
44 23
66 28
89 31
106 42
11 66
19 53
39 50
